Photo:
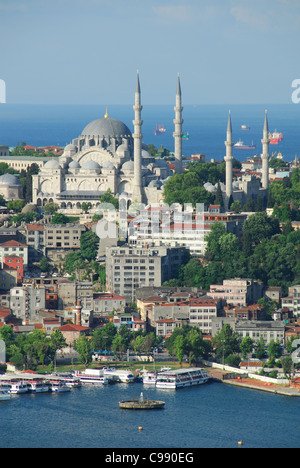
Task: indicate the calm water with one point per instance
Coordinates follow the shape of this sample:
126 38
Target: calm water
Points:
208 416
58 125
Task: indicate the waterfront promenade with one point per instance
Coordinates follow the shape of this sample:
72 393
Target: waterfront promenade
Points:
217 375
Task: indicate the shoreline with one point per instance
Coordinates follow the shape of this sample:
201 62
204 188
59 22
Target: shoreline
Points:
251 384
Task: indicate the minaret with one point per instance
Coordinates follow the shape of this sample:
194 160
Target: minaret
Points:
137 139
265 155
178 130
228 159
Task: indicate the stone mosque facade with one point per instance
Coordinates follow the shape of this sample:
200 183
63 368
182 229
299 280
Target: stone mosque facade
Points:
107 156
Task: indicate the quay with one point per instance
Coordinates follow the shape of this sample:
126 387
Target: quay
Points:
219 375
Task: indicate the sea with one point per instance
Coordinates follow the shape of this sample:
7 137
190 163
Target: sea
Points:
214 415
44 125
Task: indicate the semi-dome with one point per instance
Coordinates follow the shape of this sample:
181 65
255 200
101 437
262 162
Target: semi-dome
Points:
9 179
106 127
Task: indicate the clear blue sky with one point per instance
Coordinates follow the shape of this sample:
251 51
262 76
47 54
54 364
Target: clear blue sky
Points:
88 51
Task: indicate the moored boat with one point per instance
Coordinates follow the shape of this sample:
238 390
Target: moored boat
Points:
149 378
181 378
121 375
59 386
18 387
4 394
92 376
35 386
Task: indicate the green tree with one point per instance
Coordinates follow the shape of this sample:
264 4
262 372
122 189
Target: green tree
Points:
226 342
89 243
51 208
109 199
83 348
44 265
86 206
260 348
179 348
246 346
59 218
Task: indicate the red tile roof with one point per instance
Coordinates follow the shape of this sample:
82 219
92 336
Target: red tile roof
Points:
12 243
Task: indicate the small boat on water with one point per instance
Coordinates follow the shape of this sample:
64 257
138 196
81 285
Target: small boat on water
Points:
141 404
59 386
4 394
245 127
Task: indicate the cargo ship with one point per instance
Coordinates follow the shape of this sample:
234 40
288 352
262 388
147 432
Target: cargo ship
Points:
240 145
159 130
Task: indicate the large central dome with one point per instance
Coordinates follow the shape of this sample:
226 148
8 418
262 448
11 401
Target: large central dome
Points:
107 127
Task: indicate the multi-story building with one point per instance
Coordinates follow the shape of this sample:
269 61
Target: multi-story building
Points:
106 303
202 311
26 303
70 292
166 226
61 239
35 239
292 302
129 267
238 292
267 330
14 248
12 262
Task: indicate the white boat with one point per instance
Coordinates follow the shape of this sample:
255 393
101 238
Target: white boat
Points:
18 387
149 378
92 376
35 386
120 375
73 382
59 386
4 394
181 378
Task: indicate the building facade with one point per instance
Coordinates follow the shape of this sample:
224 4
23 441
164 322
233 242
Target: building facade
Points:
129 267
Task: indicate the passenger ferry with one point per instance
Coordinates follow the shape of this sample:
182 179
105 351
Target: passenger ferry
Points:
181 378
120 375
92 376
